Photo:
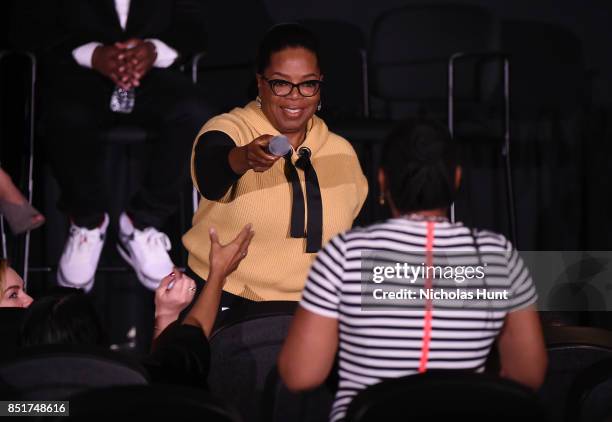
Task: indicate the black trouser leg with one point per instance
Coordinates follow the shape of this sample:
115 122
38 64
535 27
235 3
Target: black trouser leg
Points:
73 114
175 107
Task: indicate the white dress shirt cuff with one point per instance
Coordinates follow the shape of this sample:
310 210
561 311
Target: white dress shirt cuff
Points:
166 55
84 53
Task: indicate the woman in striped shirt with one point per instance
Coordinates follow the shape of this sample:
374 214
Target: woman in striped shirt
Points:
414 292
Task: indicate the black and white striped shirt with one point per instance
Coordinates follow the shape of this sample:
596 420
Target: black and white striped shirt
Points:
380 342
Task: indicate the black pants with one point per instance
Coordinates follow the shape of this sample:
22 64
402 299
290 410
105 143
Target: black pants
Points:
75 109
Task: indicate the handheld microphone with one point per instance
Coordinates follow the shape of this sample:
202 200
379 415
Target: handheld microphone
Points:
279 146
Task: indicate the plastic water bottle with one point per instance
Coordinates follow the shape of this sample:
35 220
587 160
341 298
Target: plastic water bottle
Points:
122 100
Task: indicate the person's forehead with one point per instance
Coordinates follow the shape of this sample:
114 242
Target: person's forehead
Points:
11 278
293 55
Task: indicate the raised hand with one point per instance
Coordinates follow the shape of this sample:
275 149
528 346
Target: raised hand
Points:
224 259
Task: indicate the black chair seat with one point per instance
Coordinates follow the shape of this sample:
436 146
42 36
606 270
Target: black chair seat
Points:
126 135
446 395
148 402
570 351
590 396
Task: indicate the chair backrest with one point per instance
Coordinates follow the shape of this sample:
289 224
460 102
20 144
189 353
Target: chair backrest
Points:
590 396
227 71
149 402
410 47
446 395
234 30
126 135
17 114
244 351
570 351
56 372
342 51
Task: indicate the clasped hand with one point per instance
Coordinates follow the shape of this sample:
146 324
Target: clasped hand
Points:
125 63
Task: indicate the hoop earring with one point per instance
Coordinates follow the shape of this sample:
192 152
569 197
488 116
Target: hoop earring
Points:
258 101
319 106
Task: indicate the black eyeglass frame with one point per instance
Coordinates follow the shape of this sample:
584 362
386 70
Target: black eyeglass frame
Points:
298 86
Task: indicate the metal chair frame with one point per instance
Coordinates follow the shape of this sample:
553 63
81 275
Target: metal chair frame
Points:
30 143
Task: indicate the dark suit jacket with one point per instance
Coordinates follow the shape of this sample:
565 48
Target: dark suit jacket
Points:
53 28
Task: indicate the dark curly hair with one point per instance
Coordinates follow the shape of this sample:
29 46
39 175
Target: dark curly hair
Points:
419 160
63 319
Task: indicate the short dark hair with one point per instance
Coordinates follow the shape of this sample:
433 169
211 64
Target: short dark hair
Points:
63 319
419 160
282 36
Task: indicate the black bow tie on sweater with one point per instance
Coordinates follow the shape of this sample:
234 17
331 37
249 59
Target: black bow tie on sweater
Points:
314 231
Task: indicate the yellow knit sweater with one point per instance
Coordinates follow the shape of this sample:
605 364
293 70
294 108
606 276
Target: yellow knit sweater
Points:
277 264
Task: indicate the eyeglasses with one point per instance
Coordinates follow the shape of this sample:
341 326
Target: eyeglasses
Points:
282 88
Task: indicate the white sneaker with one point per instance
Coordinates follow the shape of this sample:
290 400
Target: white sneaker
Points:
79 261
146 251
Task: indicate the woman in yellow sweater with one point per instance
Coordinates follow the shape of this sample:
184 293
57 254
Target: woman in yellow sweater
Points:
295 203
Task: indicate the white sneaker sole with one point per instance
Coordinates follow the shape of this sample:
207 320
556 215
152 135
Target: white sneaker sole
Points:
149 283
62 281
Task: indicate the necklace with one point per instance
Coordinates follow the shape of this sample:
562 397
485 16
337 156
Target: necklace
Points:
420 217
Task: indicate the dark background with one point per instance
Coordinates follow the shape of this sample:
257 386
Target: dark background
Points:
588 19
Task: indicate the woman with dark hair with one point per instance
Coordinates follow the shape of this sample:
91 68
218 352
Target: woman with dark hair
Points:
358 303
296 200
63 319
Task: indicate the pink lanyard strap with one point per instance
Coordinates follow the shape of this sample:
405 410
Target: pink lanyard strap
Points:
428 303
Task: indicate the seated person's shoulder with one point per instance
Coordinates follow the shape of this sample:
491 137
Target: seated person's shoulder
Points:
224 124
222 121
357 234
233 124
492 241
